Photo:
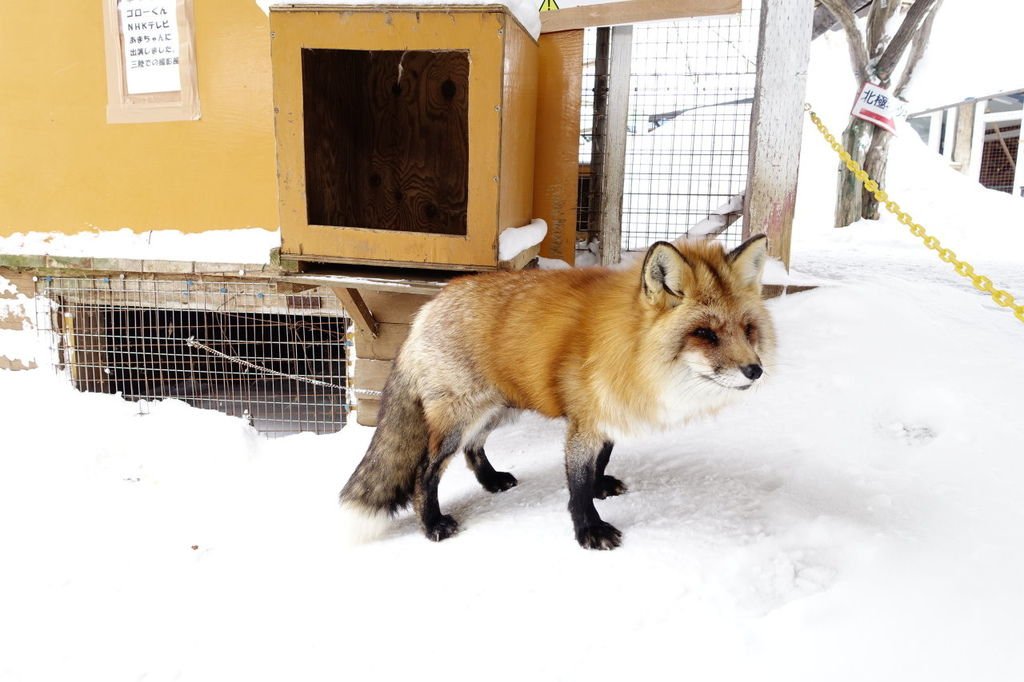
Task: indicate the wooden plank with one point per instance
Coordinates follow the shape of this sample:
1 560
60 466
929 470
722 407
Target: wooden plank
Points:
1018 174
632 12
357 309
88 344
598 133
22 282
556 176
518 130
521 259
776 124
300 263
977 148
371 375
393 307
1006 150
375 280
385 345
367 411
615 149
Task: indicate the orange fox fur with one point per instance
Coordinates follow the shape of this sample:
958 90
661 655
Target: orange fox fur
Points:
678 335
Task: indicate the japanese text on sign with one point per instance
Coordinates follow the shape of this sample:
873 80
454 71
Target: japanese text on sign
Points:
149 30
877 105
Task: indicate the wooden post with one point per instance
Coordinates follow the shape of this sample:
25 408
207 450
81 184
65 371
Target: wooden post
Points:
776 122
949 135
963 135
599 131
1018 172
615 148
556 173
977 141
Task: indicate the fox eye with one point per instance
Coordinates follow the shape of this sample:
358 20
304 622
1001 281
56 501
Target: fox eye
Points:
706 334
750 330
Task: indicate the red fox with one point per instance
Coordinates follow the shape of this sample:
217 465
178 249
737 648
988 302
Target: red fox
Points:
609 350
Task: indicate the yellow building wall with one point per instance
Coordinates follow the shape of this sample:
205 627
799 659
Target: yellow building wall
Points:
64 168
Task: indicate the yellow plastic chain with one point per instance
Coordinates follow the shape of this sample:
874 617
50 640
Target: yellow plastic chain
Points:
963 268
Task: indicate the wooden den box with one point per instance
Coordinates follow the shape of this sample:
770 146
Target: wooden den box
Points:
405 134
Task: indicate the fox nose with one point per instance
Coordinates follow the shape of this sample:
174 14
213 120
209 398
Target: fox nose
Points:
752 372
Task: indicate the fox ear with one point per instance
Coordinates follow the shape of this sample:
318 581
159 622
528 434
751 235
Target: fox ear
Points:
747 261
661 280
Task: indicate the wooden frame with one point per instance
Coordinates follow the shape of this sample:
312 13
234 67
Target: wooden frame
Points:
632 12
776 123
155 107
502 109
559 96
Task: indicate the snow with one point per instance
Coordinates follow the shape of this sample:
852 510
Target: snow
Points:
514 240
855 519
552 263
983 226
244 246
714 223
523 10
948 73
15 344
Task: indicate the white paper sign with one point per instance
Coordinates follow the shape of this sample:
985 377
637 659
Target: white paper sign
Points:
149 29
877 105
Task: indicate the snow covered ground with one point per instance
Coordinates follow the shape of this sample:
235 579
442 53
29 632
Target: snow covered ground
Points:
857 518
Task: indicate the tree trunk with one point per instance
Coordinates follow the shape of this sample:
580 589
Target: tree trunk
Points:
855 140
868 145
875 163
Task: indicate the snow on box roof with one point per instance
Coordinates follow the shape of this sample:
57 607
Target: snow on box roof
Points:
526 11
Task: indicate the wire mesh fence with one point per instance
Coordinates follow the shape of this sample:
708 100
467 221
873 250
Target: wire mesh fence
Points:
277 359
999 156
691 92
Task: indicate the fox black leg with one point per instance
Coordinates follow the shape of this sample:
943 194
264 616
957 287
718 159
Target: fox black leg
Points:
492 481
606 486
436 526
582 453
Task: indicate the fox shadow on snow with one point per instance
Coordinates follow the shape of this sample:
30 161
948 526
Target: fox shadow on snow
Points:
713 499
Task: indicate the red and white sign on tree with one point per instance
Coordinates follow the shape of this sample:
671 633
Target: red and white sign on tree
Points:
877 105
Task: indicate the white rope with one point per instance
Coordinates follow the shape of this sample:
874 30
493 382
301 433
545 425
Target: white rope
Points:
368 393
263 370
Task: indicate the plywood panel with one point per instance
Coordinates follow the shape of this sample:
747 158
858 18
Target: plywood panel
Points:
385 347
367 412
559 92
518 126
387 141
392 307
371 375
483 35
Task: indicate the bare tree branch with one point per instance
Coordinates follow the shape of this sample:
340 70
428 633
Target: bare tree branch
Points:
878 17
854 38
917 49
825 20
915 15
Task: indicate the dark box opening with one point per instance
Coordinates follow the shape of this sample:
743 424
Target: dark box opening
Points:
387 139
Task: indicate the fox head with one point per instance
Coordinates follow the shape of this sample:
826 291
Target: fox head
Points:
711 328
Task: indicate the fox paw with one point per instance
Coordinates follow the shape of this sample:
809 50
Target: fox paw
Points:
442 529
499 482
608 486
599 536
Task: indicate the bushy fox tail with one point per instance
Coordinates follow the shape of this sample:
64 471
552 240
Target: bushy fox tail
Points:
384 481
